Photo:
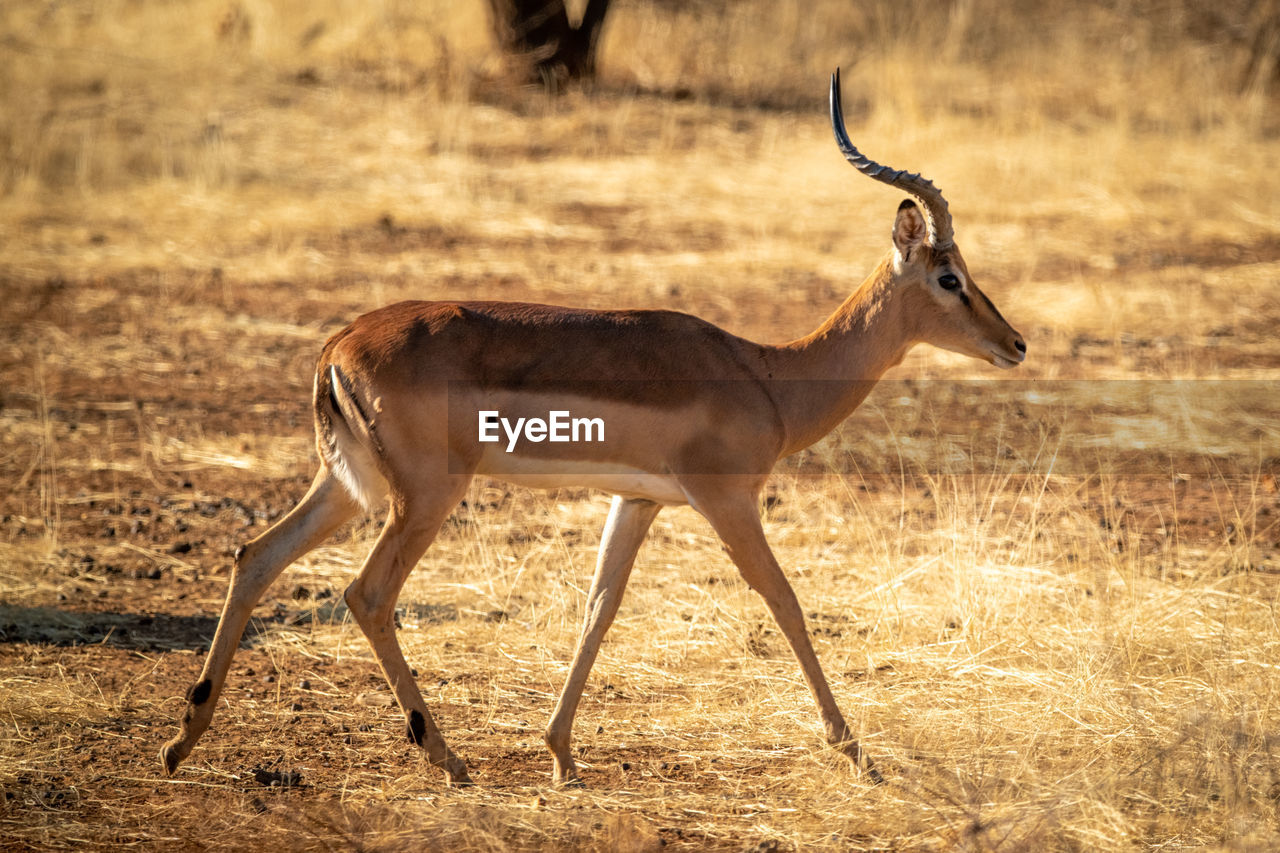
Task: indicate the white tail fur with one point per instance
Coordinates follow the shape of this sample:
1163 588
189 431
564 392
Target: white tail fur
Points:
350 458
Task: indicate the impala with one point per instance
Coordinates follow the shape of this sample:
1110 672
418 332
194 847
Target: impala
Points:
692 415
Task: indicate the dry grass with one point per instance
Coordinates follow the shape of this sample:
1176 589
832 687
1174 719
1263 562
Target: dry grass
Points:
1049 604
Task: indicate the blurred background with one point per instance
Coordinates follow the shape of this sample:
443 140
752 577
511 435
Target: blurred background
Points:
328 101
455 149
100 93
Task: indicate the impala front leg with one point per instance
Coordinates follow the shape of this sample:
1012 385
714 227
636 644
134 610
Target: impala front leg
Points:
737 521
628 523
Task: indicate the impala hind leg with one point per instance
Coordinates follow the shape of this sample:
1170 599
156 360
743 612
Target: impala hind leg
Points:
320 512
625 529
411 526
736 520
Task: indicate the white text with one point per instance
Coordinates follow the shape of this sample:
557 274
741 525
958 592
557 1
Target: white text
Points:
559 426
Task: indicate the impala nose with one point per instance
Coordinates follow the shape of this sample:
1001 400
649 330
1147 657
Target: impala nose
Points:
1021 346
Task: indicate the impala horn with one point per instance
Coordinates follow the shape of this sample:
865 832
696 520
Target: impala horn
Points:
937 218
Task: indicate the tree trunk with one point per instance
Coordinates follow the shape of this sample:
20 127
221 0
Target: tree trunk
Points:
541 43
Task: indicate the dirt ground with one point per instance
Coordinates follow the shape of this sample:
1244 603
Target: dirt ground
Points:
143 479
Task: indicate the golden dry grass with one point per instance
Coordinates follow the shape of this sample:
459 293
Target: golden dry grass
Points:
1047 598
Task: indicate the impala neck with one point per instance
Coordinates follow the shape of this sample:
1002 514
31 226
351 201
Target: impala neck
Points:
830 371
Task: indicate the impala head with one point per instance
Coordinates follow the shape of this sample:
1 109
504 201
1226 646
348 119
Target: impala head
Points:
928 271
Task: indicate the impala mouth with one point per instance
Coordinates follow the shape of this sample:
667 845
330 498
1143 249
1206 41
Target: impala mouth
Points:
1004 362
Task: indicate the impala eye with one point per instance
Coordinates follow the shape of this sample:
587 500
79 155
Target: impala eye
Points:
948 281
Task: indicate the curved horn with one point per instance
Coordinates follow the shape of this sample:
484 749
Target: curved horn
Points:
936 215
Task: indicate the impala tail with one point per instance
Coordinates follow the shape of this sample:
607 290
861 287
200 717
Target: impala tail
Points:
345 437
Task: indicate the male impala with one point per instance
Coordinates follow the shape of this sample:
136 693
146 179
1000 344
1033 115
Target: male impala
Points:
691 415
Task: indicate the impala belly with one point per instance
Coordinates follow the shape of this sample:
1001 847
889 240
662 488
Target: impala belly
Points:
616 479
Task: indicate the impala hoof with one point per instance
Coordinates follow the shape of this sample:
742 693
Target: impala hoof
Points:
565 775
171 756
456 775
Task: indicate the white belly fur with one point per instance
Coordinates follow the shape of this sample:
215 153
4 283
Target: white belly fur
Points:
541 473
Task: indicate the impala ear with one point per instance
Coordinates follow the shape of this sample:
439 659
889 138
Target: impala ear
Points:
908 228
